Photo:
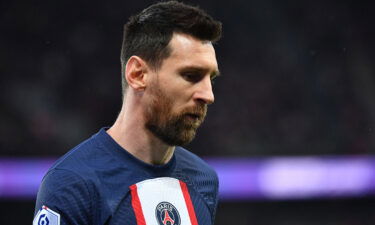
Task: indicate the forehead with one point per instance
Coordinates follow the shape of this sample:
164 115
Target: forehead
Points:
191 52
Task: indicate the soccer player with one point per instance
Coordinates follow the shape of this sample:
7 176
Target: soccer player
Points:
135 172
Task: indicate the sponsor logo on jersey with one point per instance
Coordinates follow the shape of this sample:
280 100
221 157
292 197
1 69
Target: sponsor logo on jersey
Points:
46 216
167 214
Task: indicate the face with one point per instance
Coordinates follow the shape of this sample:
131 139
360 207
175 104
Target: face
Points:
180 90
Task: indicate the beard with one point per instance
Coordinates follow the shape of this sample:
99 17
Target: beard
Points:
172 128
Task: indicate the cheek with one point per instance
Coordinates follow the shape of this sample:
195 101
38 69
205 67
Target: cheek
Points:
162 102
178 102
177 91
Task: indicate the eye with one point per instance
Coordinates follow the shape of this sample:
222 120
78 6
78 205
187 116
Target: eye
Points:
192 77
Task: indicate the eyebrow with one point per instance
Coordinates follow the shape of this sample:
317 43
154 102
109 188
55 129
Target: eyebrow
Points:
198 69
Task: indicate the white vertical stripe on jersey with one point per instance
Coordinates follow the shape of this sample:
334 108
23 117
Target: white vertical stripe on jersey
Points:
164 189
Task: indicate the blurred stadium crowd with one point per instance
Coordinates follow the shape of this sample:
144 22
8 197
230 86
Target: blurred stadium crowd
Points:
297 77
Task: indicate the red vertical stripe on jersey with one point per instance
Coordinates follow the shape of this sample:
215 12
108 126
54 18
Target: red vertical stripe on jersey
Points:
137 205
189 204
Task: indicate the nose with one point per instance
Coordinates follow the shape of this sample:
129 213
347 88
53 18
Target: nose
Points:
204 91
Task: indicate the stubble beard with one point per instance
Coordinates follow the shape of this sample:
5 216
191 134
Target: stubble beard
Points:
174 129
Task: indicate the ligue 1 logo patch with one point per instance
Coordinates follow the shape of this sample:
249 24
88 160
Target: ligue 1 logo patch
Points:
167 214
46 216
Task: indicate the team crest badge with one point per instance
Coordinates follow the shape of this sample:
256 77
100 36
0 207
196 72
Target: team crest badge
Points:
46 216
167 214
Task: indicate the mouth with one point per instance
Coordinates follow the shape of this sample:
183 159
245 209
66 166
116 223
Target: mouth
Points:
194 116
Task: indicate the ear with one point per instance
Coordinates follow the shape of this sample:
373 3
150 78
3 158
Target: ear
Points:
136 73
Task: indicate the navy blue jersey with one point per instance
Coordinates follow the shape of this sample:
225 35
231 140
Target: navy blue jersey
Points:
98 182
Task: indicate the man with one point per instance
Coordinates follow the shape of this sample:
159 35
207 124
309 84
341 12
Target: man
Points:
135 172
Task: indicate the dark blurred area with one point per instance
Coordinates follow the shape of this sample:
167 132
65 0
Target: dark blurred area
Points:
297 79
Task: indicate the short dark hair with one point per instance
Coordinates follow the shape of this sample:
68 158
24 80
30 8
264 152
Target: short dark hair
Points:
148 33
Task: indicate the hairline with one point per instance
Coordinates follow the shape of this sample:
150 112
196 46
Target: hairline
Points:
168 48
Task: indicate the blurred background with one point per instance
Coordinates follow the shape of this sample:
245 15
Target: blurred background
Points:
297 85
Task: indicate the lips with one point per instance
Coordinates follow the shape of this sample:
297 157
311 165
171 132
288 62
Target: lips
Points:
194 116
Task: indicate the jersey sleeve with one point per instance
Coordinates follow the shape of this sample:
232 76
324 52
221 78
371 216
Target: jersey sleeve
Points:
67 196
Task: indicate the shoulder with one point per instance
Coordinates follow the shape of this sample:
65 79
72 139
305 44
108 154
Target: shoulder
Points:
71 169
68 195
200 176
78 167
86 159
71 185
76 158
60 182
192 163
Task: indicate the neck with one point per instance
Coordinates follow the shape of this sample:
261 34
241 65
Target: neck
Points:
131 134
